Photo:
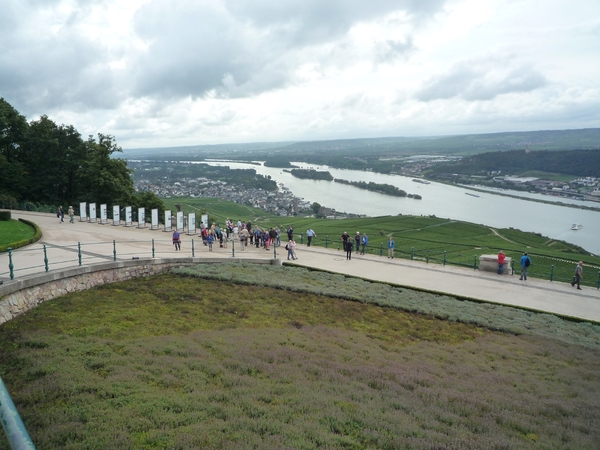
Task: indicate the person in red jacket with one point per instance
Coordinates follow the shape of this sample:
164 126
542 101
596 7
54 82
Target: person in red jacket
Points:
501 258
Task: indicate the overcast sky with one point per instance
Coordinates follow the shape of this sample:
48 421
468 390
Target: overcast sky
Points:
182 72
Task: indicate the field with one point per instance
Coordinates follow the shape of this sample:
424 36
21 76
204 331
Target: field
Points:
216 357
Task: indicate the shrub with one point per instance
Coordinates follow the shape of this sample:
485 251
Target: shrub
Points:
5 215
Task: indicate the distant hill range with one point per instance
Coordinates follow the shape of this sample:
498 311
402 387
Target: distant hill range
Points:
588 138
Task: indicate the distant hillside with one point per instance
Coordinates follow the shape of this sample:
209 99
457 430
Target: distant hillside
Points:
581 163
322 151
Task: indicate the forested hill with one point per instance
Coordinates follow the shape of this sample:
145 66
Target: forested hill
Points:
582 163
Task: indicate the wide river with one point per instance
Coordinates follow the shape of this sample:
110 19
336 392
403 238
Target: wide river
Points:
444 201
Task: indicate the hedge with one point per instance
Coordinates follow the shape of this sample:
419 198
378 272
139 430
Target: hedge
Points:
36 237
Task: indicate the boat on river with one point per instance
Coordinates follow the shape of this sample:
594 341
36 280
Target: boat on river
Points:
576 226
472 195
417 180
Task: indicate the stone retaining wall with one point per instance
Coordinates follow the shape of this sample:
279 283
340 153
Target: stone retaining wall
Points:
18 297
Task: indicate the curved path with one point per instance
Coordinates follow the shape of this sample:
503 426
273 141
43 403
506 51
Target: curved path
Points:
97 245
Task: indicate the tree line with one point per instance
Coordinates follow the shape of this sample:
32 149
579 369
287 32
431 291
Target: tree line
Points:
45 163
581 163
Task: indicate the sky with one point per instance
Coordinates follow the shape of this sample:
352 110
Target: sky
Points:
157 73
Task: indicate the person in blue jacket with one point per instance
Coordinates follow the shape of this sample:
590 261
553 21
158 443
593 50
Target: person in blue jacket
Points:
391 245
364 241
525 263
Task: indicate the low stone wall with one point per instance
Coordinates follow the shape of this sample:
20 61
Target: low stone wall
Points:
489 263
18 297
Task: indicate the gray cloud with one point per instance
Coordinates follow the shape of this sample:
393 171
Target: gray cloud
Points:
41 70
250 45
390 51
481 80
193 49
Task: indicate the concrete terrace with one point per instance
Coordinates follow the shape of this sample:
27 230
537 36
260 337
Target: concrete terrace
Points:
97 246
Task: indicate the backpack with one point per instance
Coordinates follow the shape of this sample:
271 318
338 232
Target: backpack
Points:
527 262
287 247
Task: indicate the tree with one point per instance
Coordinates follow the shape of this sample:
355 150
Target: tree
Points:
13 133
315 207
105 179
150 201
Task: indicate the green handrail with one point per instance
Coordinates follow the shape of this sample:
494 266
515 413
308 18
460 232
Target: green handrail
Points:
15 430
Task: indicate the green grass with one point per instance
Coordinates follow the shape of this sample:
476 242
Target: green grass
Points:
13 231
204 362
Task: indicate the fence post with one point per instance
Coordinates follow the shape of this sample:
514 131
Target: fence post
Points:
45 258
552 272
444 257
79 252
233 248
301 239
153 248
598 279
274 252
381 249
114 250
10 264
18 437
326 241
412 253
427 257
474 262
193 248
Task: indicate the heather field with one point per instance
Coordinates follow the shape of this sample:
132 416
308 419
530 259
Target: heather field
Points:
240 356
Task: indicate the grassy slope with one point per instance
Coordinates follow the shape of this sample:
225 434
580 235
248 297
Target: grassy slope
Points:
170 362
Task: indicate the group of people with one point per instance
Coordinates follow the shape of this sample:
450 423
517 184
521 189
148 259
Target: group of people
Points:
245 234
525 262
359 242
60 213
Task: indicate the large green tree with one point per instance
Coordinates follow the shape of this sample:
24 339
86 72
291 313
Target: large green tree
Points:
48 163
13 136
106 179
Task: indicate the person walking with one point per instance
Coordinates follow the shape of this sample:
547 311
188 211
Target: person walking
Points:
310 234
348 247
578 275
525 263
365 242
391 245
210 238
501 259
290 249
357 242
71 213
60 214
176 240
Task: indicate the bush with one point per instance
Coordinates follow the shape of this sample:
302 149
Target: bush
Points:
7 201
5 215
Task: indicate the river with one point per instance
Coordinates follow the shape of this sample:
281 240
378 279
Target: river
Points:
444 201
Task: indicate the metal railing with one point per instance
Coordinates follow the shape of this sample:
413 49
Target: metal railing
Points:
46 257
15 430
542 267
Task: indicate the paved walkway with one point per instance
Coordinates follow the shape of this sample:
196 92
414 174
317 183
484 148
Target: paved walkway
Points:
97 246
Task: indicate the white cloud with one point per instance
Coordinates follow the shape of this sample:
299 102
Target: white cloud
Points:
155 72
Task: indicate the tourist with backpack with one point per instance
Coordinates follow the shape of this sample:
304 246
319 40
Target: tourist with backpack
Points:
525 263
